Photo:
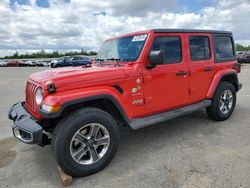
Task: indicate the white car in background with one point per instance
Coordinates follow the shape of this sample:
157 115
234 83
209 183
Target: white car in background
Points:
3 63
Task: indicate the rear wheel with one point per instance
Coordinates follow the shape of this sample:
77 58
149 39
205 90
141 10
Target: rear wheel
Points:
85 141
223 103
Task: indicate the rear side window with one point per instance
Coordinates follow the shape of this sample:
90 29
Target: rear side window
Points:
199 48
77 58
223 48
171 47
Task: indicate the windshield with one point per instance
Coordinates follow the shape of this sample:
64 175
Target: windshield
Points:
123 49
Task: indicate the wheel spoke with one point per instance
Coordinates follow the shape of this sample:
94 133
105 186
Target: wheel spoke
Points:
102 141
230 96
80 138
80 153
222 106
225 95
93 154
226 108
94 130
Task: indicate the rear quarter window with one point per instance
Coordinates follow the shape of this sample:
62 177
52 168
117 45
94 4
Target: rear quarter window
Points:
223 48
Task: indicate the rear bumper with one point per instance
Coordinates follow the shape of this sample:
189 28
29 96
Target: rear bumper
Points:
239 86
25 127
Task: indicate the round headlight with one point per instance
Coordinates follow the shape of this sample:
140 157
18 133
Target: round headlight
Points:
39 96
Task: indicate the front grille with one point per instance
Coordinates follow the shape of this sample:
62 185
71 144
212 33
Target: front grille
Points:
30 95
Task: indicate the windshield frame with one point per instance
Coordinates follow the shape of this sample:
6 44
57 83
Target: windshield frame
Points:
125 36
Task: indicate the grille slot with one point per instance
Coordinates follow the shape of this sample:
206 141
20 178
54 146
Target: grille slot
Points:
30 95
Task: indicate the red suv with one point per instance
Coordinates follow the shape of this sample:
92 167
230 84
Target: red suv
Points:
137 80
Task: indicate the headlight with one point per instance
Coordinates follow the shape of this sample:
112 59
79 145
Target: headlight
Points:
39 96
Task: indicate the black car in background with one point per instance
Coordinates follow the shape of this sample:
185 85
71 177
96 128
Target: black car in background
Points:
70 61
243 56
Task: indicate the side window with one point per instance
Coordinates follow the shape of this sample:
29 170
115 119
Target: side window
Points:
223 47
199 48
171 47
77 58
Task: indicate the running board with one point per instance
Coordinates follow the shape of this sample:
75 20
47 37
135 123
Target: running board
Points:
138 123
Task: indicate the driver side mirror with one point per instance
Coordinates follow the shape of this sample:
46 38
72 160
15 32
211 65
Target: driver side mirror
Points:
155 58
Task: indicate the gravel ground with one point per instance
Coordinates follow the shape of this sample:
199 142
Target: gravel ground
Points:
190 151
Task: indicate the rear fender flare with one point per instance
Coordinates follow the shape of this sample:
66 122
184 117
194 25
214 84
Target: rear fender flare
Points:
217 79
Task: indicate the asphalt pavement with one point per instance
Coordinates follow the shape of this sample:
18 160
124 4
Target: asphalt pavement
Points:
189 151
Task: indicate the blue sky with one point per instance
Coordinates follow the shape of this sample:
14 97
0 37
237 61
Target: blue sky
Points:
195 5
39 3
31 25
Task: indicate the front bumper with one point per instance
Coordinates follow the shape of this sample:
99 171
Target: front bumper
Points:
25 127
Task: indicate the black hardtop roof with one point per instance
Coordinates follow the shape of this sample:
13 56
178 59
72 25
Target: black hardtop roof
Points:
190 31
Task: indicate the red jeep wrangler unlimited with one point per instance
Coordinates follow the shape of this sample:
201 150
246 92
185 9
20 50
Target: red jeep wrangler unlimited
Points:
138 79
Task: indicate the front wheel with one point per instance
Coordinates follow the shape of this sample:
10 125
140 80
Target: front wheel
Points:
223 102
85 141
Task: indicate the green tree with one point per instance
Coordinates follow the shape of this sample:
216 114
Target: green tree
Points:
16 55
240 47
92 53
44 54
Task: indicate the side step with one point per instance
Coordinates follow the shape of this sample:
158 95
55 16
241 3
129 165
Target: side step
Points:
138 123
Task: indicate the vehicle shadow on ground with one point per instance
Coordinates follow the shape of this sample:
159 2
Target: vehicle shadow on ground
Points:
172 131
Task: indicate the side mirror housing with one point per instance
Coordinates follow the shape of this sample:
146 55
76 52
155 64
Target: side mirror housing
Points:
155 58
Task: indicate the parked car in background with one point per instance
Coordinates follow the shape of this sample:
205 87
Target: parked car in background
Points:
243 56
70 61
46 63
54 62
3 63
39 64
13 63
25 63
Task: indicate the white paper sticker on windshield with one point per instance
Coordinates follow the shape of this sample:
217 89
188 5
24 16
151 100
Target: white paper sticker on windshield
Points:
139 38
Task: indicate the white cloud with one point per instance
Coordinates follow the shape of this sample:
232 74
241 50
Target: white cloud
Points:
73 25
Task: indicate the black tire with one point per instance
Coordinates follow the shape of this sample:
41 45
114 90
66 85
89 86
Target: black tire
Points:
214 111
67 128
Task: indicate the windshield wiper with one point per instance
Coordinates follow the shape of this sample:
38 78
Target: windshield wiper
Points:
116 60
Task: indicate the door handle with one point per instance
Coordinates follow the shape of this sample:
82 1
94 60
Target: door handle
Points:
181 73
206 69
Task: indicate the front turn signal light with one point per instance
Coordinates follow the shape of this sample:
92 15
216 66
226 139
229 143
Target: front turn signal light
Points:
50 109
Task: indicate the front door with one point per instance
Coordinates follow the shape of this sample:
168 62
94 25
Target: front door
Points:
166 86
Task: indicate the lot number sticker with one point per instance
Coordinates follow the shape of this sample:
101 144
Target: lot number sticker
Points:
139 38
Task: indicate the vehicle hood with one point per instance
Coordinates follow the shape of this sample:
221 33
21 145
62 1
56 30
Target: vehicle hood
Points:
78 77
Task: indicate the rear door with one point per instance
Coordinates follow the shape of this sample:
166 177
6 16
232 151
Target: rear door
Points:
166 86
76 61
201 64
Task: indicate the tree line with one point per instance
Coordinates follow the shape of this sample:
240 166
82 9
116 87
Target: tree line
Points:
44 54
240 47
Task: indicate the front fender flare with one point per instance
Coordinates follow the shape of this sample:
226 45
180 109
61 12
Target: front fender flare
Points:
112 96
